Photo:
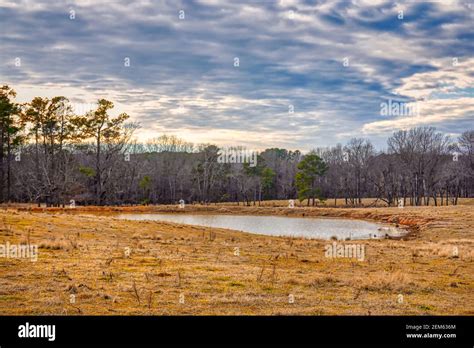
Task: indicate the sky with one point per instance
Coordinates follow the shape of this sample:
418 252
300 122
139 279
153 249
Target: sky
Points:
295 74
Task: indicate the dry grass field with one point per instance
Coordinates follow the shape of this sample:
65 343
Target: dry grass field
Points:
95 264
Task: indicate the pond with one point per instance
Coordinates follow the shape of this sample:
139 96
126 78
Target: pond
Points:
320 228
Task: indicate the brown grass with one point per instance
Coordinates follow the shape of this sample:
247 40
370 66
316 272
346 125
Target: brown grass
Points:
191 270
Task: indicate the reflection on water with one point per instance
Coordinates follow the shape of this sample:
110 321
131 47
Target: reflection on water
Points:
322 228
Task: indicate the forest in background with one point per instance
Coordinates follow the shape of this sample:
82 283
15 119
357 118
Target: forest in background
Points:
51 155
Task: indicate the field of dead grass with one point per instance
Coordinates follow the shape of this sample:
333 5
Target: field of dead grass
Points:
98 265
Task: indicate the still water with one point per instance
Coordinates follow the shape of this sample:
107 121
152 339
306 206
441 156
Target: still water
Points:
321 228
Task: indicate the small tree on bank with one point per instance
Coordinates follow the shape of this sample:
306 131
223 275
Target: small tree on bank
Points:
311 168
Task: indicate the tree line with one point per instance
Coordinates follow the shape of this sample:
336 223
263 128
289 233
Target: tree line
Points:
50 154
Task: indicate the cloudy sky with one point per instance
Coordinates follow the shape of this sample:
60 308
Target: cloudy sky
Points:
262 73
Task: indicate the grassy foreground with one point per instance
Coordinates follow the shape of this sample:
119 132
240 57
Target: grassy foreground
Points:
90 265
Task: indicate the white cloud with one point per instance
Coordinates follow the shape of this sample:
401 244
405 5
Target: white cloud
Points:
182 77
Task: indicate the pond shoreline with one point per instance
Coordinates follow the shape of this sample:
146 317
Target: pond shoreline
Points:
403 219
310 227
